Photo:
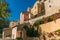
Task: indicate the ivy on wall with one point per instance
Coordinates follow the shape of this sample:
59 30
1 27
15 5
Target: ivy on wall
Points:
50 18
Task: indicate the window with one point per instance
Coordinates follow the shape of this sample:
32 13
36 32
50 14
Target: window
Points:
12 24
49 1
35 7
50 6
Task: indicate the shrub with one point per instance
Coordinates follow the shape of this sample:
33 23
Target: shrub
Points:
51 18
0 35
58 31
32 33
35 16
36 23
41 21
18 38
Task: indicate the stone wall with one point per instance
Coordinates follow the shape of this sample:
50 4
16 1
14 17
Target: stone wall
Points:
51 26
52 6
7 32
32 38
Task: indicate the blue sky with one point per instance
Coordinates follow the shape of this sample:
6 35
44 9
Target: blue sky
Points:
17 6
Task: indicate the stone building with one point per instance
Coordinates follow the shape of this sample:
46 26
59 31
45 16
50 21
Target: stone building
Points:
52 7
24 16
13 23
7 32
37 7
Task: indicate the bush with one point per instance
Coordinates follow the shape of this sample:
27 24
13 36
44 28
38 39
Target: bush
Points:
32 33
0 35
35 16
18 38
41 21
51 18
38 22
58 31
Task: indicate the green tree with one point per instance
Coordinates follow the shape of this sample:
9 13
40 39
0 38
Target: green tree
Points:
3 24
30 31
4 12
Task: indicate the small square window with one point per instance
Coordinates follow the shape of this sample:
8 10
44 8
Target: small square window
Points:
35 7
50 6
